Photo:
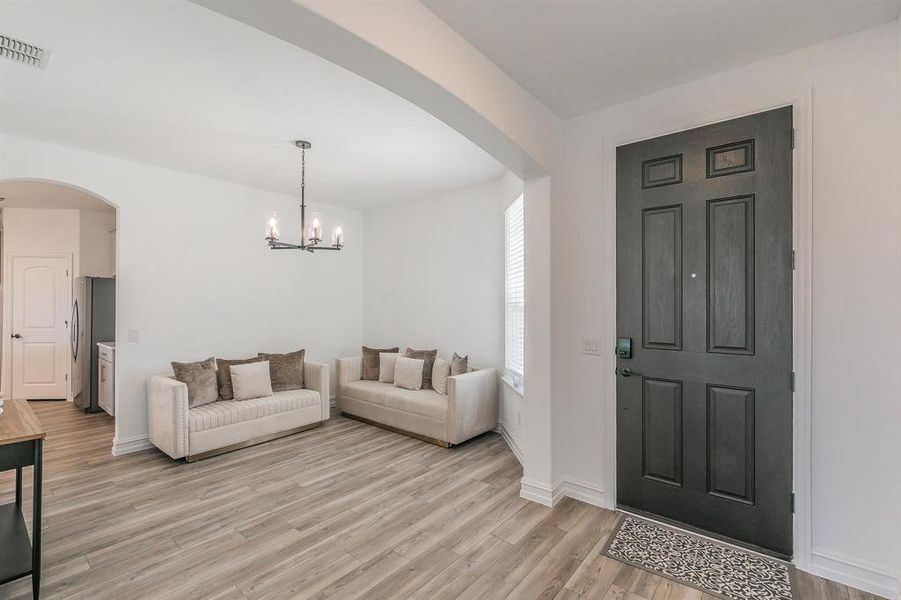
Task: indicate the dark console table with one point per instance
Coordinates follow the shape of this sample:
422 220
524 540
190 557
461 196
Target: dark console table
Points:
21 445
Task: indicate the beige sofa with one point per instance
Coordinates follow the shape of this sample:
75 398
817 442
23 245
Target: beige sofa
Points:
225 425
468 409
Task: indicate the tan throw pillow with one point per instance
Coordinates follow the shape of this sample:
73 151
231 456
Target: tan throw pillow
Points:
440 372
285 370
429 357
386 366
371 362
225 376
408 373
251 380
459 364
200 377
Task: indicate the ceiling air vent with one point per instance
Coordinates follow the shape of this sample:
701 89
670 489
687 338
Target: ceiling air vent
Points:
20 52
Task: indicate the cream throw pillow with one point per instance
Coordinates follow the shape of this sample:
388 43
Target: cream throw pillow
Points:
440 372
386 366
251 380
408 373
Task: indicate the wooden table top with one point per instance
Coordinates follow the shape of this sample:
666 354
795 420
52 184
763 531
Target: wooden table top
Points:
18 423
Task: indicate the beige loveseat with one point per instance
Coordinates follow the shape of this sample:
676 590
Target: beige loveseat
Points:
224 425
468 409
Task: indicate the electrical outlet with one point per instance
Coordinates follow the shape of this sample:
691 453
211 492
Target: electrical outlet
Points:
133 335
591 346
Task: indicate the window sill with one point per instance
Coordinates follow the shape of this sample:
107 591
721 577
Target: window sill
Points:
508 380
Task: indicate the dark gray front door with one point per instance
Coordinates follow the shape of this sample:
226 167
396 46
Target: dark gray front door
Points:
704 290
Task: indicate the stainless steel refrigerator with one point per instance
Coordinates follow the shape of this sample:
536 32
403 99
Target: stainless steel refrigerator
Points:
93 320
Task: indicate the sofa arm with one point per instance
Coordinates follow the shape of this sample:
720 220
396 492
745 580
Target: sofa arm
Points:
167 415
472 404
348 369
315 377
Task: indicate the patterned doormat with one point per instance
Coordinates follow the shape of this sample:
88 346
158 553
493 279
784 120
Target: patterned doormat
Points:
719 570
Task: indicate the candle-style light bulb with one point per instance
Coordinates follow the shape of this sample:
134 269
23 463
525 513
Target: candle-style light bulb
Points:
272 228
338 236
316 229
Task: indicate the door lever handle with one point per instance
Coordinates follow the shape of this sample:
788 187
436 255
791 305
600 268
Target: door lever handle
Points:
627 372
16 335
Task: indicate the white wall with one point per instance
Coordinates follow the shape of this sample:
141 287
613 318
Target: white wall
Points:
433 274
195 277
41 230
97 243
856 265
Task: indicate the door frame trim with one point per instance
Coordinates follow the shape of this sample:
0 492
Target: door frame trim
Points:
7 369
800 99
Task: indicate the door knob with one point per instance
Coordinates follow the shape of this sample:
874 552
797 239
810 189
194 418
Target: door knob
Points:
627 372
17 335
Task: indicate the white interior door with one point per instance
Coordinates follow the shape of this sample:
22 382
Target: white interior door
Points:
41 292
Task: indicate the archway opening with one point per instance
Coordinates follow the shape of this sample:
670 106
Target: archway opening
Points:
58 251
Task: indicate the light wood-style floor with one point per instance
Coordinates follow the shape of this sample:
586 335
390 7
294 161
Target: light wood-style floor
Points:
344 511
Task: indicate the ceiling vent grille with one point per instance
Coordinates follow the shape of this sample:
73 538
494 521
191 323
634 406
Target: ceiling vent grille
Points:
21 52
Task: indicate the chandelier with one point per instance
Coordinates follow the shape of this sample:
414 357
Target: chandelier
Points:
311 243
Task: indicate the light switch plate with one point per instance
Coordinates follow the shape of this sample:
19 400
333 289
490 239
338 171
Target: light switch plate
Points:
133 335
591 346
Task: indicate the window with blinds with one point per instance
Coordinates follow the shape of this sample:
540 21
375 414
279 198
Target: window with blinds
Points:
514 286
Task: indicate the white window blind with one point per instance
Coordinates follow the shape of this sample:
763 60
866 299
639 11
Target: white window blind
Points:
514 286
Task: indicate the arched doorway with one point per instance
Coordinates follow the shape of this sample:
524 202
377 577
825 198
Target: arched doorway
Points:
58 251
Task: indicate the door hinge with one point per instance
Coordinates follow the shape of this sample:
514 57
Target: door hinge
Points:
793 381
793 138
793 503
793 260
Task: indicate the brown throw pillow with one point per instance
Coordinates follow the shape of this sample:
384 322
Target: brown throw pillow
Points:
371 361
285 370
200 377
459 364
225 376
429 357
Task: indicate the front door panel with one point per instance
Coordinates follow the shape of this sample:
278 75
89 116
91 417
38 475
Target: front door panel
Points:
704 417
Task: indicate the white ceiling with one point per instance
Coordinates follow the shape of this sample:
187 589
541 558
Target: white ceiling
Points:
39 194
177 85
577 56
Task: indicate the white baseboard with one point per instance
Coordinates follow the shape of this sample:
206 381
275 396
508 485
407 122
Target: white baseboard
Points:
543 493
536 491
135 444
875 579
511 441
584 491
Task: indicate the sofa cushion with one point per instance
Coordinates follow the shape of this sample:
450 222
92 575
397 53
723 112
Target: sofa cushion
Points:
387 361
251 380
229 412
285 370
200 379
459 364
408 373
441 370
226 392
371 362
427 403
429 357
363 390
